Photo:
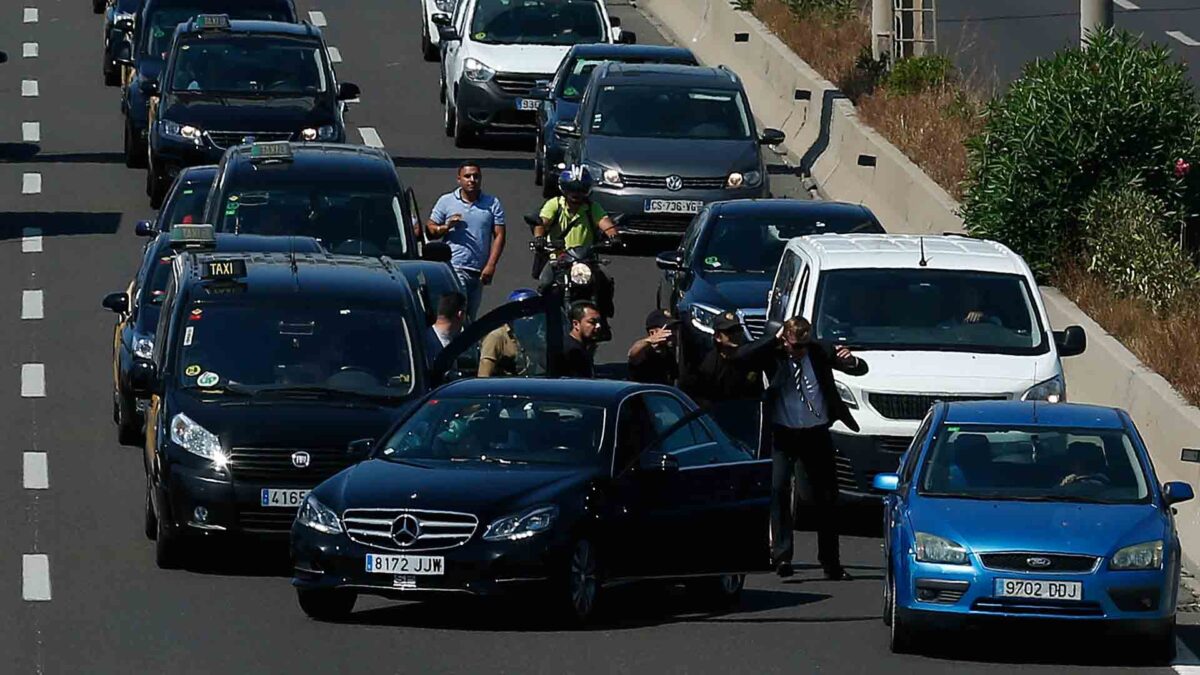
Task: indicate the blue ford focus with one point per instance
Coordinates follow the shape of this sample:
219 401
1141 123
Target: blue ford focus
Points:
1023 511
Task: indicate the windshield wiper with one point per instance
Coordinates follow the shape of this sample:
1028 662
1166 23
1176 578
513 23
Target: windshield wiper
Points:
488 459
318 390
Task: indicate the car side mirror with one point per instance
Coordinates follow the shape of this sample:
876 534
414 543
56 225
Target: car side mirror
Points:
771 137
448 34
658 462
627 37
441 19
124 24
886 482
669 261
116 302
149 87
361 447
1071 342
436 251
348 91
3 57
540 90
144 228
143 378
614 21
1177 491
566 130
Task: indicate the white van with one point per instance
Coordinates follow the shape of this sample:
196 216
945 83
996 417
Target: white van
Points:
936 318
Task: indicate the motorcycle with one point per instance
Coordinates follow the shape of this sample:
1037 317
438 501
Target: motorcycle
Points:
577 273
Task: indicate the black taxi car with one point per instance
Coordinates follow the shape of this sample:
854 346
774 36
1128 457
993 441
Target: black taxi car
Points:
137 310
494 485
145 52
184 202
347 196
231 82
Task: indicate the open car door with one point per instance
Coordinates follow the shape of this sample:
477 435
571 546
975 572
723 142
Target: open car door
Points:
530 332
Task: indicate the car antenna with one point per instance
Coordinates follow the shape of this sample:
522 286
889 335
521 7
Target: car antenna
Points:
292 254
924 262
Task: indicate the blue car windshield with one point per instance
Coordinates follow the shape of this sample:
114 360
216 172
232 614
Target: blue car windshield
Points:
1034 464
509 430
754 243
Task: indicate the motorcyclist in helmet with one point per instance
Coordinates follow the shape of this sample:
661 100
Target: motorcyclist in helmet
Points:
573 218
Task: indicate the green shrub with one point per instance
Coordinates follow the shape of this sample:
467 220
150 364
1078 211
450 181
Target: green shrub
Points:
1132 245
916 74
828 8
1112 113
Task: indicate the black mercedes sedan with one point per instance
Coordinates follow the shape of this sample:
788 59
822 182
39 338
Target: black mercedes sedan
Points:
497 485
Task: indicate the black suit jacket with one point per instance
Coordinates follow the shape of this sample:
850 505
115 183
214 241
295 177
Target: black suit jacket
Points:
767 354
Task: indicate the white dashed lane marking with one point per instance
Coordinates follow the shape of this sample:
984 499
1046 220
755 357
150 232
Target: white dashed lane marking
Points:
29 88
31 132
31 183
317 19
31 240
36 471
1126 4
33 380
32 306
370 137
35 577
335 55
29 50
31 15
1183 37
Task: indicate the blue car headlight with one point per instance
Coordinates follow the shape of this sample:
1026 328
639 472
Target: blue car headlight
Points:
703 316
324 133
934 549
522 525
1145 556
319 517
183 132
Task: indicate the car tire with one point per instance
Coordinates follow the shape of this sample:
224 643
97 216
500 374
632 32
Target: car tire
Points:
579 585
135 149
170 545
98 6
112 76
429 51
150 520
538 178
903 638
464 136
1161 645
447 117
887 594
549 183
129 422
326 604
723 591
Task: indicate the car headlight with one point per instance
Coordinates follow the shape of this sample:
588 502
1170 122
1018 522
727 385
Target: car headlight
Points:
197 440
325 133
934 549
1145 556
752 178
319 517
735 180
1053 390
143 348
581 274
611 177
185 132
846 395
522 525
703 317
476 70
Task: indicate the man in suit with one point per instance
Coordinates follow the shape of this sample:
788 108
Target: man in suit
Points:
801 402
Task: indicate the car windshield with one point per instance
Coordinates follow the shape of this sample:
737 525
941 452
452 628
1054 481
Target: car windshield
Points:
158 277
161 23
943 310
641 111
543 22
267 348
577 73
186 205
250 65
508 430
343 218
1034 464
755 243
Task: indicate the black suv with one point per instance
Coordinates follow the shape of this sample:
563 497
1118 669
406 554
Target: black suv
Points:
145 52
232 82
661 141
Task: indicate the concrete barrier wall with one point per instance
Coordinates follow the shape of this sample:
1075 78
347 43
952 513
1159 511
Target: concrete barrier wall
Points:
827 140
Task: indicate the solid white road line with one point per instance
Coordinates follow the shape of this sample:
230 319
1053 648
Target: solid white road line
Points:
31 240
33 380
317 19
29 50
37 471
370 137
1183 37
31 132
35 577
31 183
32 306
31 15
335 55
29 88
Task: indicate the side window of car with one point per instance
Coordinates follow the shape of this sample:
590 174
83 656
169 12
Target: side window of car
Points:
781 292
908 463
688 246
164 324
693 443
802 288
633 432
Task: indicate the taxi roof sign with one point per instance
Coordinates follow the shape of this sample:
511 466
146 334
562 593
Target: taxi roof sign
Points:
220 270
272 150
192 236
212 22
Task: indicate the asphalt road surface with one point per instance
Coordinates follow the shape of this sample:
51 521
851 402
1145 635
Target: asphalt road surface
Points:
79 591
991 40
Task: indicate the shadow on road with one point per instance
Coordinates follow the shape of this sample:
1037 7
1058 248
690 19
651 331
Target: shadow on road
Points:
31 153
1028 644
14 225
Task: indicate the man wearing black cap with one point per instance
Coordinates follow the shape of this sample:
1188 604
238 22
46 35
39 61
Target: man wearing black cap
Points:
652 358
729 388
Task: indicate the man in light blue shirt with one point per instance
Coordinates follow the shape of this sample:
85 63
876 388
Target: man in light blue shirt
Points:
472 223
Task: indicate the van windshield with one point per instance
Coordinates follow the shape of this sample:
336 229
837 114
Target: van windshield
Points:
932 310
540 22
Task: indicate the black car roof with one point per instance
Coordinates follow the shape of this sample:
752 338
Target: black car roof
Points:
330 162
595 392
317 277
212 7
245 27
667 74
783 207
198 174
227 242
604 50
